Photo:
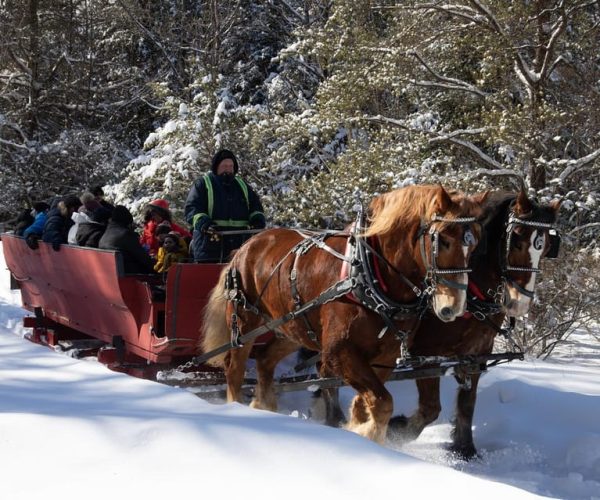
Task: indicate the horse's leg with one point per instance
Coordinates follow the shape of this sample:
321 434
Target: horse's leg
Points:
334 416
267 358
373 406
408 429
462 432
235 370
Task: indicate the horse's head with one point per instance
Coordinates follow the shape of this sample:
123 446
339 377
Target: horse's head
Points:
447 237
429 234
530 235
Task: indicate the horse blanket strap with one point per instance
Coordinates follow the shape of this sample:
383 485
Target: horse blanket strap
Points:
318 241
310 331
334 292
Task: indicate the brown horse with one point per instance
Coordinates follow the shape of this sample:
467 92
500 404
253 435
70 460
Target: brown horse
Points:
502 283
416 232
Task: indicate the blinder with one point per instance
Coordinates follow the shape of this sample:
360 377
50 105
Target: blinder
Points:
434 273
554 244
554 241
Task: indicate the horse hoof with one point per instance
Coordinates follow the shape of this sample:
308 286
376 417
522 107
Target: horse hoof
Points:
466 453
397 427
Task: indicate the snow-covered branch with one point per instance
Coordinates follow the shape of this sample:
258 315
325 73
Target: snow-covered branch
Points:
487 13
446 82
503 172
471 147
583 227
451 137
574 165
12 144
292 11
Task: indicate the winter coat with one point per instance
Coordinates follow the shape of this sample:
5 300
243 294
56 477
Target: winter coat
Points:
77 218
149 240
89 234
126 241
224 206
166 259
56 228
37 227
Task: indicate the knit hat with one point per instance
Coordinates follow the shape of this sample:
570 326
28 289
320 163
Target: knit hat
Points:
161 207
174 236
41 206
89 203
97 191
221 155
100 215
163 228
122 216
72 201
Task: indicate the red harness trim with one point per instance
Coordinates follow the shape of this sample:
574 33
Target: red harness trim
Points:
376 268
474 289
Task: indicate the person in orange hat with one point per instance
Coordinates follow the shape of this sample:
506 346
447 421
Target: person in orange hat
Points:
158 211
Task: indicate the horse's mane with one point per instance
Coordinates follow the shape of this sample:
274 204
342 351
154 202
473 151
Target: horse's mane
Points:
499 202
405 208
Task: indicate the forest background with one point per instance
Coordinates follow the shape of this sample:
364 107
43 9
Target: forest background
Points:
320 100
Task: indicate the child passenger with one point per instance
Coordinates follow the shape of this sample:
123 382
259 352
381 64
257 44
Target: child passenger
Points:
173 249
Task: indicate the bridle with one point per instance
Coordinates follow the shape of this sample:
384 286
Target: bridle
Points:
554 245
434 274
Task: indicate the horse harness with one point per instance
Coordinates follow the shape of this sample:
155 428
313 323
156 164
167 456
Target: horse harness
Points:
362 285
479 305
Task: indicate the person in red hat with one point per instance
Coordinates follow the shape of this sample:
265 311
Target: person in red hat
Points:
157 212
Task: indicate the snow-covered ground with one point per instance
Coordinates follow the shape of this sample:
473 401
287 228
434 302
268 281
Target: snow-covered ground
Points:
73 429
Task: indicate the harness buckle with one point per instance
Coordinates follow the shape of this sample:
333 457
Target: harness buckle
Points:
479 315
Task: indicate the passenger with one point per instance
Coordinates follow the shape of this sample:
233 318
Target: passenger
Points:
98 193
89 204
221 201
157 212
34 232
22 221
56 228
89 233
173 249
119 235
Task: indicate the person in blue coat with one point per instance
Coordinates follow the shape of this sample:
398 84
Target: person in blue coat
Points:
56 228
34 232
221 200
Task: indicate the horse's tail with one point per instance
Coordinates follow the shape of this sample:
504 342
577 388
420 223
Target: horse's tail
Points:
215 331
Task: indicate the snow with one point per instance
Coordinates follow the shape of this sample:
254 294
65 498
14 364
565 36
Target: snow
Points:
72 429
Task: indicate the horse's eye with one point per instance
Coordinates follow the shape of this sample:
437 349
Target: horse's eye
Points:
444 243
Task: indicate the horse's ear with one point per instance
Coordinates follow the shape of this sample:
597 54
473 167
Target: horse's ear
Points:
479 198
523 204
555 205
441 202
